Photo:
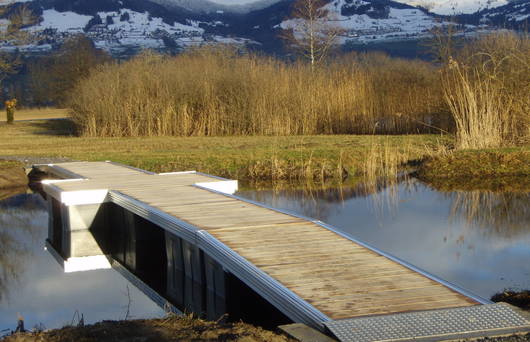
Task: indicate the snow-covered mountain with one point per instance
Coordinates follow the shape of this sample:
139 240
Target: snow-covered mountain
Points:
122 25
515 14
215 6
367 21
455 7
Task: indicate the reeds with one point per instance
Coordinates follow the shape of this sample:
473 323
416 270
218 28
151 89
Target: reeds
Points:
481 95
487 87
209 92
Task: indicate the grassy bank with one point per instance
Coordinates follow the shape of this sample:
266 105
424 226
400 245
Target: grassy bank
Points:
293 158
255 157
12 176
497 169
175 328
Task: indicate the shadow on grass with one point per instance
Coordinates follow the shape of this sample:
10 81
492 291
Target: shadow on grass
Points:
56 127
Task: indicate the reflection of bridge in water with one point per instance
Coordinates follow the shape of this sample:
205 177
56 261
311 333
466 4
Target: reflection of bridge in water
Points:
181 237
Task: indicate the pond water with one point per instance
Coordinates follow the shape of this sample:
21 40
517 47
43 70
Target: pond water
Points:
35 286
478 240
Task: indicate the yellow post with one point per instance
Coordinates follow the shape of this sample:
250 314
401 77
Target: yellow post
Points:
10 109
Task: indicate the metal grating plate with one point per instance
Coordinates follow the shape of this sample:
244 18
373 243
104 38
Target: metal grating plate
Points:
429 324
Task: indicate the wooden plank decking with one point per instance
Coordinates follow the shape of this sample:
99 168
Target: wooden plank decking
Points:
338 277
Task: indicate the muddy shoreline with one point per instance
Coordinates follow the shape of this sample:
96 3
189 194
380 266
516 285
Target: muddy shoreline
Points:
12 175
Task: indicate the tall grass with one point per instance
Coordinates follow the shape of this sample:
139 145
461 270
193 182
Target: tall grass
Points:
209 92
487 86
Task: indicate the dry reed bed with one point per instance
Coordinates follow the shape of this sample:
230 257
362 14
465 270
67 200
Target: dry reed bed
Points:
210 92
487 88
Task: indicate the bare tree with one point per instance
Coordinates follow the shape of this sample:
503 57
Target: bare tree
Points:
53 77
311 30
442 43
12 32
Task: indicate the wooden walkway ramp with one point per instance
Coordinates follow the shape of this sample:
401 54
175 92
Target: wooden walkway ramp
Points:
330 276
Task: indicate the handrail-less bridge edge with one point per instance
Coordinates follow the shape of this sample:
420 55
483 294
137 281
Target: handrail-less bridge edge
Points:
400 261
284 299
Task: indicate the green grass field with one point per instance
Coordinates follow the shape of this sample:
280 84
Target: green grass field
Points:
234 156
259 157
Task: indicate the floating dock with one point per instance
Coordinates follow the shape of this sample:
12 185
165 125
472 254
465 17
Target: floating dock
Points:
308 270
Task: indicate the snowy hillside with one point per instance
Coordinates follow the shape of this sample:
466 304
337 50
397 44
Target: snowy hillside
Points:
122 30
454 7
365 21
515 14
213 6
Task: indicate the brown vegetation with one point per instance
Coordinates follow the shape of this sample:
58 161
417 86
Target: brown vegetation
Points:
218 92
486 86
12 30
175 328
481 93
53 77
12 175
496 163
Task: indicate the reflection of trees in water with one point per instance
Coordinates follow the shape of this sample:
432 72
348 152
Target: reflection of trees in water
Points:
503 214
20 229
319 202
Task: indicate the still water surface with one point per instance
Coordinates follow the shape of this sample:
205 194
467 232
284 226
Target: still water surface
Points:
478 240
33 284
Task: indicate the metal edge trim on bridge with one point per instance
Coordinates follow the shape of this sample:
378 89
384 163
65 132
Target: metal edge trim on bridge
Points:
279 295
408 265
53 252
284 299
164 220
402 262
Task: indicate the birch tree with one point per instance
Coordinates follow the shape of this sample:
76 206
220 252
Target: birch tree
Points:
311 30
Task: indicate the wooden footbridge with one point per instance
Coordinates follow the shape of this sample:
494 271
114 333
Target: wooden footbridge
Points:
308 270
